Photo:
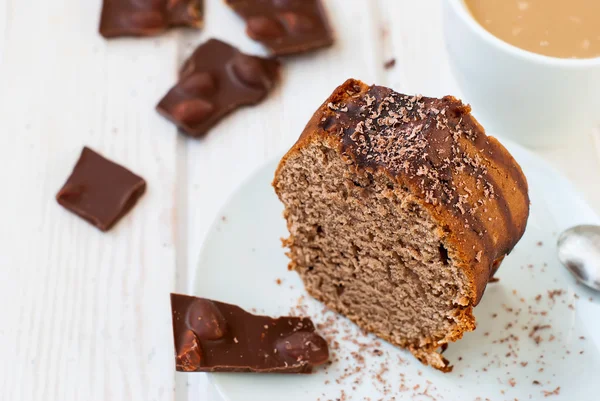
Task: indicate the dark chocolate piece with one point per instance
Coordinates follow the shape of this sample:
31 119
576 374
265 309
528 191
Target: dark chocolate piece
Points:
285 26
100 191
212 336
148 17
213 82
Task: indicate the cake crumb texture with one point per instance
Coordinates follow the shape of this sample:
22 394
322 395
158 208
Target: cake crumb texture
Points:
400 209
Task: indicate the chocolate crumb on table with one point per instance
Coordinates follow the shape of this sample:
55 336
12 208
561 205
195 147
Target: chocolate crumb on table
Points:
389 64
285 26
216 80
148 18
212 336
100 191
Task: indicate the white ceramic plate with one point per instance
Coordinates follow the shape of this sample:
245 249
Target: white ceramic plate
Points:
242 259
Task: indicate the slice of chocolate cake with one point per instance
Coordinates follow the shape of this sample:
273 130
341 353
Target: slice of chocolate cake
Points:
400 209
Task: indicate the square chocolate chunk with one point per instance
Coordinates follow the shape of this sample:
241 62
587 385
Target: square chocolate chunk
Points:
285 26
216 80
148 17
100 191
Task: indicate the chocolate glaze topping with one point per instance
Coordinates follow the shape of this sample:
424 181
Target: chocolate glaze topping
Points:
437 147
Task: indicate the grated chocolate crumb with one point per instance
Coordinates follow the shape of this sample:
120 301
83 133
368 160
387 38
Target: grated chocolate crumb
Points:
556 391
389 64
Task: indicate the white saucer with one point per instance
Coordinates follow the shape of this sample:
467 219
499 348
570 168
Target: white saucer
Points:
242 259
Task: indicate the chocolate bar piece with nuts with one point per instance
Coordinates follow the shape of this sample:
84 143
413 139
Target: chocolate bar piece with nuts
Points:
216 80
213 336
285 26
148 17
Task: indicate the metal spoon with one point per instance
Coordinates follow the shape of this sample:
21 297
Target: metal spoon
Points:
579 252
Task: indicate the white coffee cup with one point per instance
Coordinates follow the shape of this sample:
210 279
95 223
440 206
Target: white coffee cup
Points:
536 100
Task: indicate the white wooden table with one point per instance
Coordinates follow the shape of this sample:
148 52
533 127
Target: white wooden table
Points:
85 315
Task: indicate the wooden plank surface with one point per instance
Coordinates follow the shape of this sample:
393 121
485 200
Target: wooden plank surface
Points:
86 313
